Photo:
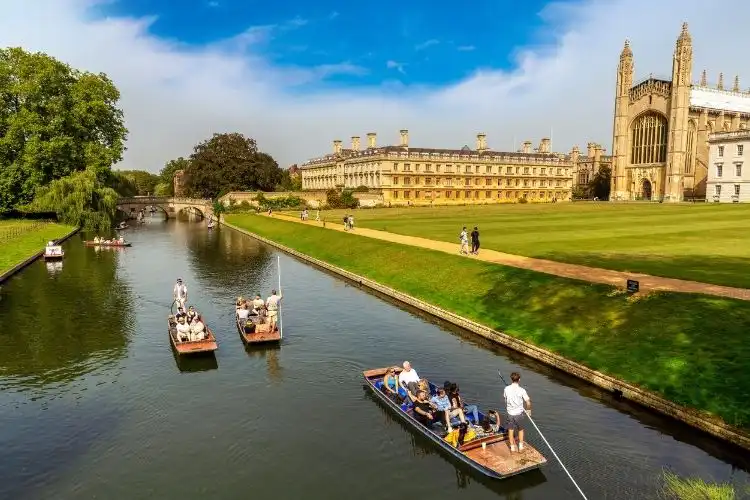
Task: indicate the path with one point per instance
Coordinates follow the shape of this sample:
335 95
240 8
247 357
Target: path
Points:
574 271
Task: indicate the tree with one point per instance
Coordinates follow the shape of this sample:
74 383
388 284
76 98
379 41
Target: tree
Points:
122 184
166 175
79 199
600 185
229 162
289 181
54 121
145 182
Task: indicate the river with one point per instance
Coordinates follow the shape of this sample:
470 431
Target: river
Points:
94 404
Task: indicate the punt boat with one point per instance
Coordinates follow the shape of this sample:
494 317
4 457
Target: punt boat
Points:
53 252
188 347
489 453
112 244
261 335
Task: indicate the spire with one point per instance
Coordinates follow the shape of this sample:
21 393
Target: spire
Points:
736 87
703 79
626 51
684 35
720 86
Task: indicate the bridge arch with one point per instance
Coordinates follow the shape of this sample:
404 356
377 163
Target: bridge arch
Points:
170 206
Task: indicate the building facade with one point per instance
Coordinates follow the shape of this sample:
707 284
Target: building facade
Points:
661 127
728 176
179 183
408 175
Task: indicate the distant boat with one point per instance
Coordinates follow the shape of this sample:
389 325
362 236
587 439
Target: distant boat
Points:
252 331
53 252
487 453
122 225
191 346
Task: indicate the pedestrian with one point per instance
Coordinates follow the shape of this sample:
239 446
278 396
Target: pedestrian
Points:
475 241
464 239
351 223
346 222
317 216
518 405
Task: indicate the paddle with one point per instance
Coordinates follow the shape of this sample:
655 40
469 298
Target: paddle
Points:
278 266
547 443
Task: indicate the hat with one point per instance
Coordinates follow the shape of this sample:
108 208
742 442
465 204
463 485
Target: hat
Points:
179 279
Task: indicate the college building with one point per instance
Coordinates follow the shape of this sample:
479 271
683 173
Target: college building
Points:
662 127
415 175
728 179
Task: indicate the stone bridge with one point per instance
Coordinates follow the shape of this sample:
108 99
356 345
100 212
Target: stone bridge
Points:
170 206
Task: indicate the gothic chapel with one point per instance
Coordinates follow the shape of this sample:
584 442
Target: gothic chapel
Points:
661 128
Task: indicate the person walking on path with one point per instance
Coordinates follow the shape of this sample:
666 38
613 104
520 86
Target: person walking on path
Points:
351 223
475 241
346 223
464 238
518 404
317 216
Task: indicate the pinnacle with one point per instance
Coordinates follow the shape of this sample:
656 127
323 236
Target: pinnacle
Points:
684 34
626 51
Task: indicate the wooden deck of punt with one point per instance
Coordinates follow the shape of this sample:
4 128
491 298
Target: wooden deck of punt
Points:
495 460
95 244
264 337
194 346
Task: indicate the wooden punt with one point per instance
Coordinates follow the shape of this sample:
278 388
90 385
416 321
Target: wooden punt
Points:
54 252
261 334
95 244
191 347
495 460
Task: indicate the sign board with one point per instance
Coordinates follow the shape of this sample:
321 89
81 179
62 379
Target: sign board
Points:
633 286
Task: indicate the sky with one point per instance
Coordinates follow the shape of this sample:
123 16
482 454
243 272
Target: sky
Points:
296 75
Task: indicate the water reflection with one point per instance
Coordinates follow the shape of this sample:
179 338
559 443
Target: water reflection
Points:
191 364
271 354
65 321
54 267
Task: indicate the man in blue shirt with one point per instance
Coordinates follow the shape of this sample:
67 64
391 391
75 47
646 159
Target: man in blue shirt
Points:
443 405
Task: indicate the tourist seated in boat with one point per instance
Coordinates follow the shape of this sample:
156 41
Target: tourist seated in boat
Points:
50 243
243 312
462 434
183 329
258 305
238 303
191 314
390 385
458 403
409 380
424 411
96 239
180 314
121 240
197 329
490 427
444 410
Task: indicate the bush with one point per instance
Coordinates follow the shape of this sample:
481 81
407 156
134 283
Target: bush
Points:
345 199
523 200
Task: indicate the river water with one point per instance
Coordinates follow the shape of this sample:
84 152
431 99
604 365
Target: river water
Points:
94 404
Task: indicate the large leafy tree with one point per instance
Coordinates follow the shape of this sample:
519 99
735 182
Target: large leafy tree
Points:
600 185
165 186
54 120
145 182
229 162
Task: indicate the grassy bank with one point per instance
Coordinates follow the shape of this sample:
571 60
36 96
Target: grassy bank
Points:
690 349
702 242
20 239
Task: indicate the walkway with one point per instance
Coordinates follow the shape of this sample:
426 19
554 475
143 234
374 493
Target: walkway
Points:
574 271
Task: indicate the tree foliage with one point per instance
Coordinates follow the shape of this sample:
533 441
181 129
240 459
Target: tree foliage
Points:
79 199
344 199
600 185
229 162
144 182
289 181
166 176
54 121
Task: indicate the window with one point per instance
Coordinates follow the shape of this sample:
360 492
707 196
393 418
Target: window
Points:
478 182
428 167
721 151
736 189
476 169
395 194
437 168
476 194
533 170
719 170
488 182
649 139
416 194
407 168
449 169
467 182
395 167
544 171
526 170
488 169
717 189
395 180
559 171
467 169
467 194
407 194
488 194
508 170
738 169
518 170
740 149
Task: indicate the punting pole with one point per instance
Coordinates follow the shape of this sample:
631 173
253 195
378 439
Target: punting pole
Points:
278 266
549 446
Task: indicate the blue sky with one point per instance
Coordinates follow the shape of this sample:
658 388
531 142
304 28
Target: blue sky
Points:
412 42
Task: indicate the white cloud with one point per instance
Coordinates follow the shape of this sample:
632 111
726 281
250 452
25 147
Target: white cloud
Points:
396 65
175 95
427 44
465 48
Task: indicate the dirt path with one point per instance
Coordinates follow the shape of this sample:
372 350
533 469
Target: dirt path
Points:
584 273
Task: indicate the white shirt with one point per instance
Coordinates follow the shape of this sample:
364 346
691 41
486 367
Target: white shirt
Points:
180 291
515 395
464 237
242 313
183 328
405 377
273 302
197 327
258 304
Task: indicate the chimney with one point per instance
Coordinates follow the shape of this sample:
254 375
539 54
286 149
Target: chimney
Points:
590 149
355 143
574 154
404 138
337 147
481 141
371 140
526 147
545 145
720 85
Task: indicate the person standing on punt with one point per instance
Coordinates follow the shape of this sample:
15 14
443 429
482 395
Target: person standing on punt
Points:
180 293
272 306
516 401
409 380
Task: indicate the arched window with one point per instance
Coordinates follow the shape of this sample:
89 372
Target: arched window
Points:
691 144
649 139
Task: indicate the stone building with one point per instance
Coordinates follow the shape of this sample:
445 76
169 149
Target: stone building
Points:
586 166
409 175
179 183
728 176
662 125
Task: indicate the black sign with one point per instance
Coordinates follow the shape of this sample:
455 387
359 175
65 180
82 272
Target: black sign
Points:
633 286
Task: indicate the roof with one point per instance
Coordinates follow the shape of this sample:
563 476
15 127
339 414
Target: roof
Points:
704 97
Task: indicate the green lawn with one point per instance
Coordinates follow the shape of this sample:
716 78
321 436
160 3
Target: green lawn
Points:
691 349
20 239
701 242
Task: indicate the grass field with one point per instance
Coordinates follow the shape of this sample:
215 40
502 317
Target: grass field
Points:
20 239
691 349
708 243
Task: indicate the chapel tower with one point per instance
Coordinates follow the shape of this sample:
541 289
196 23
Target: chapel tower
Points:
677 147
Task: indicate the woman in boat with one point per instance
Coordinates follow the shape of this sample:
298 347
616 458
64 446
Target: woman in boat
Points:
488 427
197 329
96 239
183 330
191 315
457 402
243 312
390 385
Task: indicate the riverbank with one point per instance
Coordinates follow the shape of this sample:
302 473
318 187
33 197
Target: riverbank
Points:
22 241
641 341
